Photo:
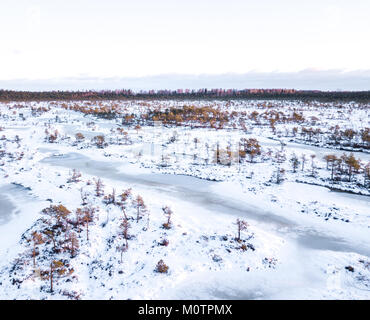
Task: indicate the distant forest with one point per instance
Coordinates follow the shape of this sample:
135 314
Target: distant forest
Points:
281 94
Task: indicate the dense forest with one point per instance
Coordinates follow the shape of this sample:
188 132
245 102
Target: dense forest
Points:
283 94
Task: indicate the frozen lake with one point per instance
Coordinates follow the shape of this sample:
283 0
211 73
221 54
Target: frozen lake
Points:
6 207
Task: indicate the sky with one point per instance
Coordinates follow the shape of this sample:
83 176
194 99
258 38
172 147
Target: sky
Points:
91 44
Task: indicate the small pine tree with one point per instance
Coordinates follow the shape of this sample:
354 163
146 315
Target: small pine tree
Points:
125 195
313 166
125 225
168 213
73 243
140 207
75 176
303 158
241 225
85 216
98 187
56 266
50 233
83 197
295 162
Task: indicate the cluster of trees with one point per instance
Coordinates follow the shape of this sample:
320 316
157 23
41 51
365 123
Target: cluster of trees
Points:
141 211
102 110
58 233
341 167
346 165
122 201
37 111
335 136
246 147
350 137
51 137
250 147
273 117
308 134
200 116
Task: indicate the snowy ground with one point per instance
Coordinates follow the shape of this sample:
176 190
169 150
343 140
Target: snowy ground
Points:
303 240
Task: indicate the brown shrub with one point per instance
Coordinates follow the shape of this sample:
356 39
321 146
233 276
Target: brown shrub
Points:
161 267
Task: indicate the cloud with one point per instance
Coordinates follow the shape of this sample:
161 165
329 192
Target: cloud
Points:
309 79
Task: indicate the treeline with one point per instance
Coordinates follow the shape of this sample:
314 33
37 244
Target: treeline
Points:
279 94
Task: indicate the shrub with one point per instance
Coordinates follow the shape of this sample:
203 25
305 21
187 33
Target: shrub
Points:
164 243
125 195
161 267
99 141
98 187
79 137
168 213
75 176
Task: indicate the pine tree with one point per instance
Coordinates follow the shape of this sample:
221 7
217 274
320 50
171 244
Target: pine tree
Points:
98 187
295 162
56 266
73 243
140 207
37 239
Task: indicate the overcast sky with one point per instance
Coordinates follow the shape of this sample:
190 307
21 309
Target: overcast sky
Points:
95 44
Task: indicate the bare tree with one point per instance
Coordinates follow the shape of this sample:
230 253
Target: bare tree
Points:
241 225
